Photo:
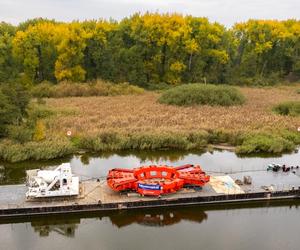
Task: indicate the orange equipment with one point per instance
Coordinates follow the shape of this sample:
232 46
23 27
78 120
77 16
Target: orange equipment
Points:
156 180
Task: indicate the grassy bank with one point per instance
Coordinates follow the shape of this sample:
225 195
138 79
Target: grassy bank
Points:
140 122
248 143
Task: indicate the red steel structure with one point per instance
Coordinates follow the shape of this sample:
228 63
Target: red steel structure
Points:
156 180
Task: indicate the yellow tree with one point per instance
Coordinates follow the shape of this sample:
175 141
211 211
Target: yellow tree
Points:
70 53
162 39
263 46
35 50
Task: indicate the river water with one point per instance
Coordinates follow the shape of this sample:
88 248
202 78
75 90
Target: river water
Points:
265 225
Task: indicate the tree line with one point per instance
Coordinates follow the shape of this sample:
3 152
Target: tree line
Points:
150 49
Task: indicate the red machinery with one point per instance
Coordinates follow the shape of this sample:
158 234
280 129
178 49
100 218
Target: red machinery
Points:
156 180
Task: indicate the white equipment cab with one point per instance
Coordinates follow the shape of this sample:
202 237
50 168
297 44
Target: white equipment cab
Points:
52 183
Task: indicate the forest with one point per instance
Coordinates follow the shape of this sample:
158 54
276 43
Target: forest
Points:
129 73
150 49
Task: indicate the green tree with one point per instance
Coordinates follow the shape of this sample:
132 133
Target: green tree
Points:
149 49
7 64
14 99
35 50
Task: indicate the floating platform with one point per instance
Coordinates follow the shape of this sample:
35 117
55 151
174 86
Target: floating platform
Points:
97 196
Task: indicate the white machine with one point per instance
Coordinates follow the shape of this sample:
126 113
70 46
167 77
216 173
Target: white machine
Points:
52 183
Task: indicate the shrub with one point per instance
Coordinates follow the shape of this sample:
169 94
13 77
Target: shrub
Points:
288 108
124 89
20 134
201 94
265 142
39 131
36 112
154 141
44 150
158 86
6 113
14 99
108 141
258 80
293 136
220 136
99 88
44 89
65 89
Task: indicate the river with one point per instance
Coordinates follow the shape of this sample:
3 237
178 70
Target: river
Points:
264 225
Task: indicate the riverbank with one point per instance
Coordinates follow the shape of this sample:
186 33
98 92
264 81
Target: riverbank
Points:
100 124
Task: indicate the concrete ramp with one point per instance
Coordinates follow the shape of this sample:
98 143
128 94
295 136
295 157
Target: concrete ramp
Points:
225 185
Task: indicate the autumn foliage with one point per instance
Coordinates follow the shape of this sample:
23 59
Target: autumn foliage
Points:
151 49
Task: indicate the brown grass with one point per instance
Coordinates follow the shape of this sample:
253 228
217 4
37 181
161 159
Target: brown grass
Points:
129 114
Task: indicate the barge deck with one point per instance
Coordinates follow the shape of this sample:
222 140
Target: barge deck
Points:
97 196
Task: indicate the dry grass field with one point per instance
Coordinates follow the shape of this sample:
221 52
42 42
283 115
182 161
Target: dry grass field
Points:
142 113
139 122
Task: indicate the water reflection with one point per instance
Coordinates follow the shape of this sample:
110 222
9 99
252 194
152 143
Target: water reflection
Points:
96 166
216 161
157 218
68 225
143 156
62 227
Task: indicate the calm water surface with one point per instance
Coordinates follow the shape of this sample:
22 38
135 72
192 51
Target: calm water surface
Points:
261 226
87 166
250 226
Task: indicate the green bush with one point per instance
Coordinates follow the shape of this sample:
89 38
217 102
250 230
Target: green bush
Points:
6 113
109 141
42 90
271 80
292 136
158 86
20 134
261 142
154 141
106 141
202 94
14 99
221 136
99 88
36 112
124 89
266 143
288 108
43 150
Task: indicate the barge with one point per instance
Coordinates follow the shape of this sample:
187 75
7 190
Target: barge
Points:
96 195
